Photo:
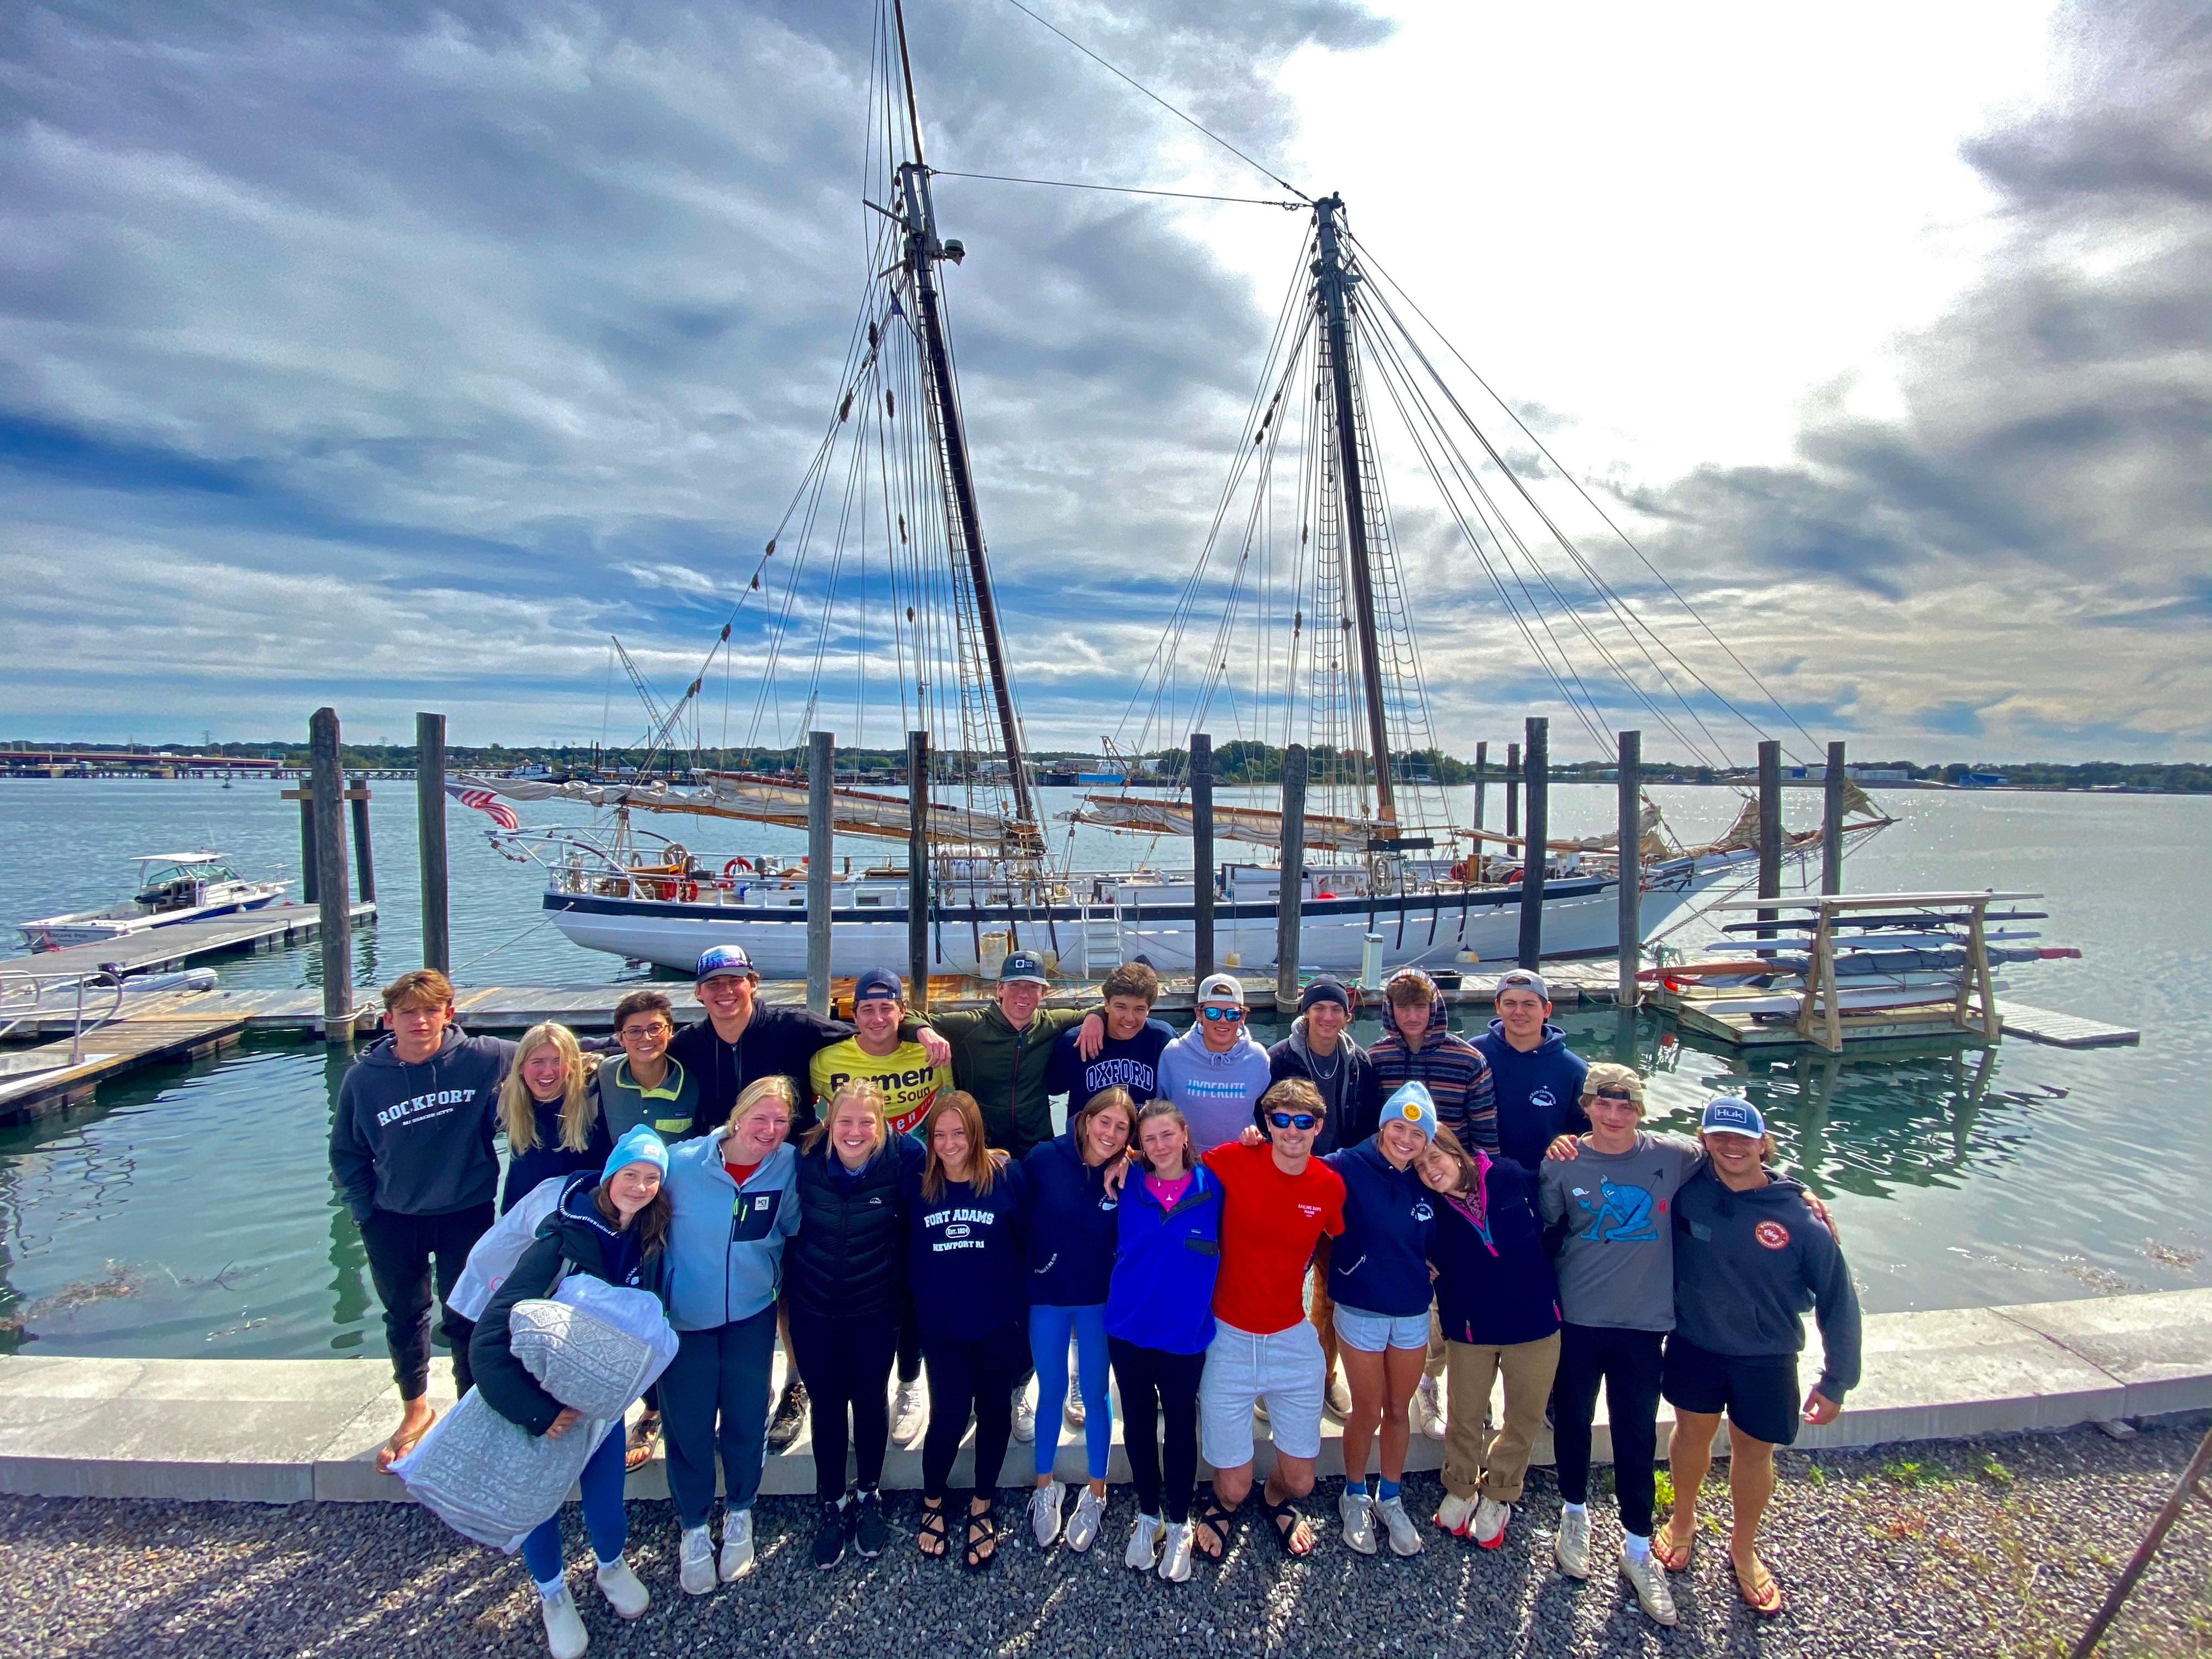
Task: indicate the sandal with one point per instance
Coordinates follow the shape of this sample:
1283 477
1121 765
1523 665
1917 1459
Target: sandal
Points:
932 1530
982 1548
1663 1550
644 1441
1214 1522
1298 1537
1761 1594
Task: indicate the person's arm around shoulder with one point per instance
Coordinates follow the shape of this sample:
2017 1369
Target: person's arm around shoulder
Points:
504 1382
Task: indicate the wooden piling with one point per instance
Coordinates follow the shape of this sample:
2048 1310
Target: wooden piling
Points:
1769 828
430 833
1630 944
1292 892
364 862
917 869
821 747
1536 766
1201 852
1832 824
1481 787
310 890
328 783
1512 790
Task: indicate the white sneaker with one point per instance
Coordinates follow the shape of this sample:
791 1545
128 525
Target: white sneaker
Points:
1025 1415
1454 1514
910 1414
1083 1525
1429 1409
1649 1579
1044 1512
1490 1520
1357 1512
1072 1411
1405 1536
695 1562
625 1594
1339 1397
1175 1559
1570 1547
1144 1543
737 1545
564 1627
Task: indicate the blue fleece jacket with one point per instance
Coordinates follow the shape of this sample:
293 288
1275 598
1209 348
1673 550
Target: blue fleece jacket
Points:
1161 1294
1380 1263
1071 1226
965 1256
1494 1283
1539 1093
1134 1064
725 1245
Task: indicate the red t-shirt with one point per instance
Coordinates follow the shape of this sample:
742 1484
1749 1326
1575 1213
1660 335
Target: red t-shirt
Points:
1270 1223
741 1173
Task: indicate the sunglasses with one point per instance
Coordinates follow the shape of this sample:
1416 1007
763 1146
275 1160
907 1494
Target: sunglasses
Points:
1613 1094
1300 1121
1234 1016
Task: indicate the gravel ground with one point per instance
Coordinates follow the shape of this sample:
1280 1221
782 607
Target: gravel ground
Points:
1997 1547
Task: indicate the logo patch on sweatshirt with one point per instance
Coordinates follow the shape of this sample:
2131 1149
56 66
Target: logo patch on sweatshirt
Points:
1772 1234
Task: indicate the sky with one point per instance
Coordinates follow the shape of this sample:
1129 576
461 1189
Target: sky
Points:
394 355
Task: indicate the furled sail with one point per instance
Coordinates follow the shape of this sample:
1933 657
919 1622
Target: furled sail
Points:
756 799
1261 826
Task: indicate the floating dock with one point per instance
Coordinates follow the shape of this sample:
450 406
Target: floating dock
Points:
153 950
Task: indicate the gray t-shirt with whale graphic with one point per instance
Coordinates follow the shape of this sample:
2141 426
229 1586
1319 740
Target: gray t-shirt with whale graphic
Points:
1617 1264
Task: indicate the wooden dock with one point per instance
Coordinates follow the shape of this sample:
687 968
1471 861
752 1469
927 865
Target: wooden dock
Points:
41 1081
2063 1030
157 949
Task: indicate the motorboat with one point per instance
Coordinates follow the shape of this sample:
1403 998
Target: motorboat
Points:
172 888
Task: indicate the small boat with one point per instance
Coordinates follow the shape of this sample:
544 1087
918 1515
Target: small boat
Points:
172 887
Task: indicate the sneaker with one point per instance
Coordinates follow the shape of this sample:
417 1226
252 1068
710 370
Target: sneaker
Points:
1072 1411
1083 1525
1357 1510
1025 1415
1339 1397
1144 1543
737 1545
1649 1579
1570 1547
564 1627
790 1418
695 1562
627 1595
1429 1409
1490 1520
1044 1512
1175 1559
910 1414
1405 1536
830 1536
871 1532
1456 1515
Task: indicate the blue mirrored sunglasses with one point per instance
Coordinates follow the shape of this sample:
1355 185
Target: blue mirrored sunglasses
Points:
1232 1015
1292 1120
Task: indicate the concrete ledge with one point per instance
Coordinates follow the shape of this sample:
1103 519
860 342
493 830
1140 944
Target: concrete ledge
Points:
283 1432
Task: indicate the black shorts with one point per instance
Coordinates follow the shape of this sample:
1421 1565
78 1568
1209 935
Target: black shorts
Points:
1760 1395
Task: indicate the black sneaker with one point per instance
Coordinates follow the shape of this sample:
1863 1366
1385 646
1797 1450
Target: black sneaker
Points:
830 1536
871 1532
790 1418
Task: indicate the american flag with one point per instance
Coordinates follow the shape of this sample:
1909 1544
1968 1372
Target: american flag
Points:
487 803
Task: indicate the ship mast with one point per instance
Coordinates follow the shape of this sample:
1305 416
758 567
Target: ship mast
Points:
923 250
1336 284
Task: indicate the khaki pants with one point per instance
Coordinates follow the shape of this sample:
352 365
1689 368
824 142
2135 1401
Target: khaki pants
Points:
1497 1468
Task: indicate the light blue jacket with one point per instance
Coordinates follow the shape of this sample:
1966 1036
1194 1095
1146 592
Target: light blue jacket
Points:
726 1243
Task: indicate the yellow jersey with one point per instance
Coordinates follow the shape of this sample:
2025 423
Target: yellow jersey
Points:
908 1081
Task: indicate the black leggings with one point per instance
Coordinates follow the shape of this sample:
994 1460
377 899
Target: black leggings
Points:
402 1249
1629 1364
1153 1379
977 1374
909 1340
846 1365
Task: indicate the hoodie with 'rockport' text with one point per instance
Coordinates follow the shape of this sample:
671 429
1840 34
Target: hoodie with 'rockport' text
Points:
415 1140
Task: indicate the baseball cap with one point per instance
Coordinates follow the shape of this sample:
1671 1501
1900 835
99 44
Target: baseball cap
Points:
1020 968
1324 989
1221 987
1522 979
725 959
1731 1115
877 983
1611 1074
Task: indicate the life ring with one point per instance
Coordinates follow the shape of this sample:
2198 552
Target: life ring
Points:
1512 875
732 868
1459 873
690 891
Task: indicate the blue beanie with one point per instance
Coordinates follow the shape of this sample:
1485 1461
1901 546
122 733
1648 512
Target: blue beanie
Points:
639 1145
1410 1102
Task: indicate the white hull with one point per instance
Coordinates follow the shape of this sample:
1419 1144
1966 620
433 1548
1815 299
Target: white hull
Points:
96 928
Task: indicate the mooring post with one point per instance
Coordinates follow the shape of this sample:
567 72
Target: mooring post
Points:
1292 891
364 863
430 831
1832 823
1770 828
328 783
310 890
1632 865
1201 852
1481 786
917 869
1537 765
1512 790
821 746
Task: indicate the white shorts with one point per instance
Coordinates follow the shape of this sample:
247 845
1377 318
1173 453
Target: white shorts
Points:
1371 1333
1242 1369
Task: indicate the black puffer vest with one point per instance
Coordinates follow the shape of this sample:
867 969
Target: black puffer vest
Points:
846 1259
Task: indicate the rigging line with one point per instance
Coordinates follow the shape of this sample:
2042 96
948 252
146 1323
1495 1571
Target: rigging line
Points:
1124 190
1190 121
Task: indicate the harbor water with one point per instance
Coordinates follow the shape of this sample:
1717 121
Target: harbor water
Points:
188 1210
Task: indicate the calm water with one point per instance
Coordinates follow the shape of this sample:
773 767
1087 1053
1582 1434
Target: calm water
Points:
188 1212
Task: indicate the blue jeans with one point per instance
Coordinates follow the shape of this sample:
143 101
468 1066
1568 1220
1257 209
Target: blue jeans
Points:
602 1487
714 1398
1050 1330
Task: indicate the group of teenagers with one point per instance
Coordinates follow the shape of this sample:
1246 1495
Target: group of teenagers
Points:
1229 1232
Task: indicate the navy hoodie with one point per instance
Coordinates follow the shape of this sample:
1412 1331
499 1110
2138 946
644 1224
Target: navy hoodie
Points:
1380 1263
965 1256
1498 1290
1162 1295
1749 1265
1539 1093
416 1139
1072 1226
1134 1064
548 1156
777 1041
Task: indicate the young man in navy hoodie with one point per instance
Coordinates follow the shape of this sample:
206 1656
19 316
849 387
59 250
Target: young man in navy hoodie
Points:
1536 1079
1128 1056
411 1153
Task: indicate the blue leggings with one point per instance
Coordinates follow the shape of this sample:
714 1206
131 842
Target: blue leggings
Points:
1050 1330
602 1486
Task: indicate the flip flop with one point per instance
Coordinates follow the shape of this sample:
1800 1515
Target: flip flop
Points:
1762 1595
1662 1548
643 1440
400 1444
